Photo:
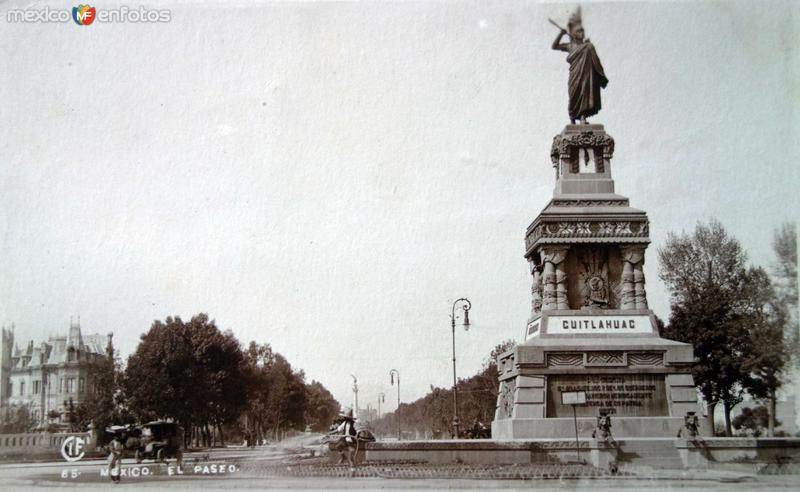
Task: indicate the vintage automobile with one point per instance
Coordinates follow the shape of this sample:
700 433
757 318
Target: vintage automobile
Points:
157 440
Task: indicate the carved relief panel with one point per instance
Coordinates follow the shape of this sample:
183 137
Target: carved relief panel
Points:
505 402
593 274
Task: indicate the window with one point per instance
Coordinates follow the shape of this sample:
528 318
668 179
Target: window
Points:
22 388
70 385
81 385
36 387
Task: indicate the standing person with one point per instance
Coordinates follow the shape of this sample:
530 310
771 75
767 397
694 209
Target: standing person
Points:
115 448
586 75
347 444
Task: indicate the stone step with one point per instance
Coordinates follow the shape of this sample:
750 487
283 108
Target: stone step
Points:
654 453
657 463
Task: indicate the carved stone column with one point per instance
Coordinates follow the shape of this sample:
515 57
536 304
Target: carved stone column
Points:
555 278
633 292
638 278
536 288
628 300
549 286
561 286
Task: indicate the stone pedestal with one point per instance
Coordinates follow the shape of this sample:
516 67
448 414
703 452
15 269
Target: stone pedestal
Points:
641 380
590 328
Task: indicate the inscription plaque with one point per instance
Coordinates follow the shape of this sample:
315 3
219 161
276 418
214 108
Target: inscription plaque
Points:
622 395
533 329
599 324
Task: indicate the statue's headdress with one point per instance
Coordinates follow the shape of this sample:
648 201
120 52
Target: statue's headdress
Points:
574 19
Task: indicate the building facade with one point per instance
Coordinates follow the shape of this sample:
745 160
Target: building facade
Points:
51 377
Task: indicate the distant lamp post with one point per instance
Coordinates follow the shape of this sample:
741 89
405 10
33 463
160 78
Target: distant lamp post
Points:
381 399
395 374
466 306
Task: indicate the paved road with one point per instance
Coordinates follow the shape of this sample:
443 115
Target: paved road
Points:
239 469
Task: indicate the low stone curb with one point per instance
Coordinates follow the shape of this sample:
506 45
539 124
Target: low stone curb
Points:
423 471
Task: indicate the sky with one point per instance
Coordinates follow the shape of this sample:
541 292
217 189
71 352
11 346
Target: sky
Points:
328 177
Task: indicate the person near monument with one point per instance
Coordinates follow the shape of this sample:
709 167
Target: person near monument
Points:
691 426
586 75
603 430
478 430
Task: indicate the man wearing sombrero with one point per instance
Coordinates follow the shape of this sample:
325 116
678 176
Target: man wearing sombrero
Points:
346 446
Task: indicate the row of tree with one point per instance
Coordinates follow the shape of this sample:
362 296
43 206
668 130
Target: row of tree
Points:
193 373
432 415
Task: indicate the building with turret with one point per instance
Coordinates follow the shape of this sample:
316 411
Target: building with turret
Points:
51 377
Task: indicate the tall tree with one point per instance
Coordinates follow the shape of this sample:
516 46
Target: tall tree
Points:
769 351
707 276
321 408
776 334
257 358
218 362
190 372
784 274
277 397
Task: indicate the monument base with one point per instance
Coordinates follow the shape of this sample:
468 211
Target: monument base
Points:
615 359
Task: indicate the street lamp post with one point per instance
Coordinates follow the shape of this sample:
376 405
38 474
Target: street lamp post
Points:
355 396
395 374
466 306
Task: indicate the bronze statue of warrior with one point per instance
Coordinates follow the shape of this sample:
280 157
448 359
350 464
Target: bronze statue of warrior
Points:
586 76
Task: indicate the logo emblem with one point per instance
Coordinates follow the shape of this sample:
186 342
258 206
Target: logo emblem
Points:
83 15
72 448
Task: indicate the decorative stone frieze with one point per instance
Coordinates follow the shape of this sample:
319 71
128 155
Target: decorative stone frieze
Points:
601 230
646 359
590 203
605 358
560 360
